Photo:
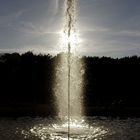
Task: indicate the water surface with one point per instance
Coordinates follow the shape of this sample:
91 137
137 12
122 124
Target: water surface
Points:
90 128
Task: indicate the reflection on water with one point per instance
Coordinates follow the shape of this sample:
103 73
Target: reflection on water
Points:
56 129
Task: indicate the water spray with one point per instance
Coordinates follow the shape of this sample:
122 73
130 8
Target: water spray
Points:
69 27
69 72
69 79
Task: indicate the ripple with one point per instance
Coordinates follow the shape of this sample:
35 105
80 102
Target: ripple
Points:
78 130
93 128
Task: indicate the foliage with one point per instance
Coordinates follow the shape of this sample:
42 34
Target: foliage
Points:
28 78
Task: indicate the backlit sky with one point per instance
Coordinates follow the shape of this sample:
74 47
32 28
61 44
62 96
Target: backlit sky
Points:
106 27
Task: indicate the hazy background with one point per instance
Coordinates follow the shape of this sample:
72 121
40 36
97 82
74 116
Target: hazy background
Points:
106 27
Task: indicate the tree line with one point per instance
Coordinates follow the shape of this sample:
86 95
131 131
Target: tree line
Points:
27 79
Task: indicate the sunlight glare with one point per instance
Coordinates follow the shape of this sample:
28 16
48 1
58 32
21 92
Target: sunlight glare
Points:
73 40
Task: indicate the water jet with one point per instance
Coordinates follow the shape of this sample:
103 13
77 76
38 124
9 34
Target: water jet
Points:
69 70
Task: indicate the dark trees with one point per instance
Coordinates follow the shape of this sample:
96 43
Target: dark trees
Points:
28 79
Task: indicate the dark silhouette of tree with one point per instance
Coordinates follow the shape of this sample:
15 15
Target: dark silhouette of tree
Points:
112 83
27 80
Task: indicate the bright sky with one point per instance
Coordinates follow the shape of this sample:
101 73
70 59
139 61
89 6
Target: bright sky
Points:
106 27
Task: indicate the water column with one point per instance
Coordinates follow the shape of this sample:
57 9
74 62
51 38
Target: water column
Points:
69 25
68 85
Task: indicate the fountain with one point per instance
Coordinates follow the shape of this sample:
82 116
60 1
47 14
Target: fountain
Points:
69 71
68 87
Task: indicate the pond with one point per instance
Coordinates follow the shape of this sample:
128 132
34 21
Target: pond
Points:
86 128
